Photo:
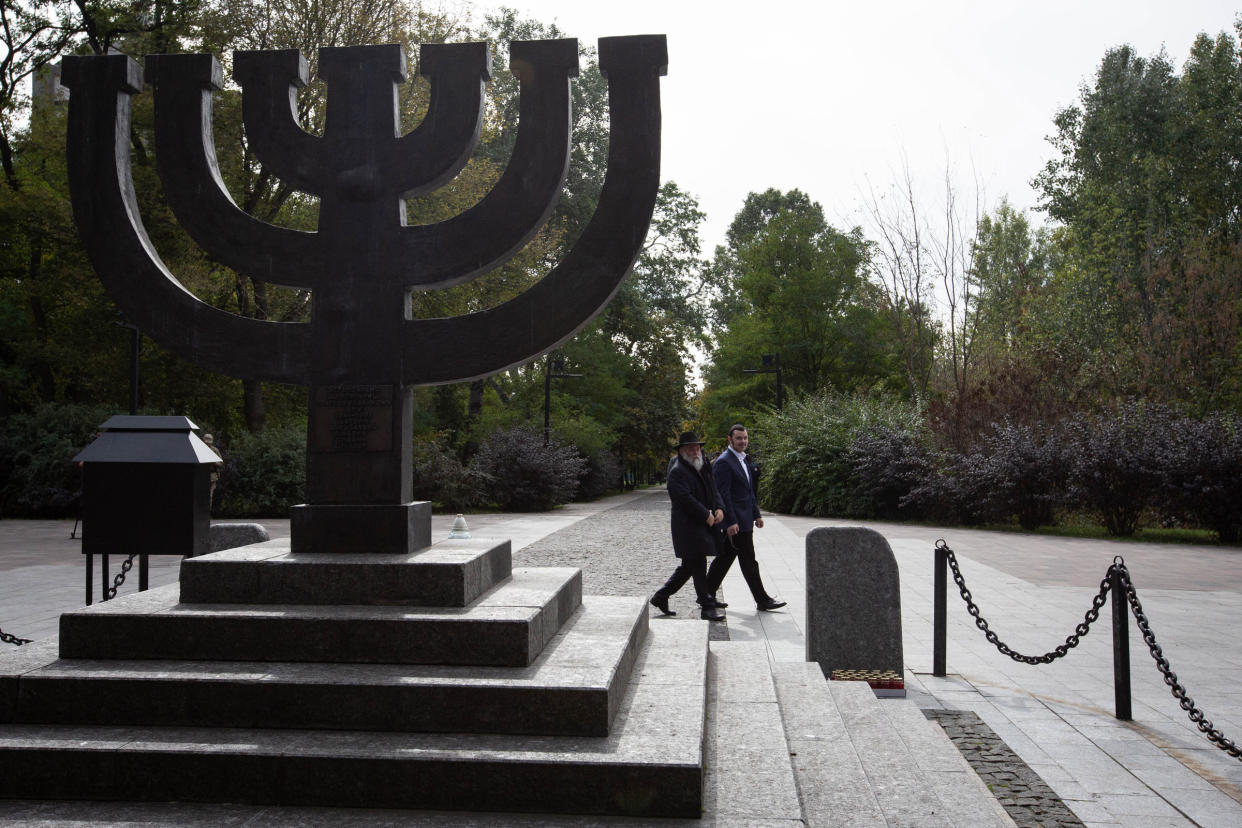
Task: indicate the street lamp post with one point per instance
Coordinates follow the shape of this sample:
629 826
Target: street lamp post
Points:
771 365
551 371
135 346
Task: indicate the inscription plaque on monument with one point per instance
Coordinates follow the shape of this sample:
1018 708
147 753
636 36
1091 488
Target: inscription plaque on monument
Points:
353 418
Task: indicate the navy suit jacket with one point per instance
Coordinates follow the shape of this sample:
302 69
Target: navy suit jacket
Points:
741 503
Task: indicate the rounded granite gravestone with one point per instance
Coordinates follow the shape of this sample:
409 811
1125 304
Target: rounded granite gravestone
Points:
853 607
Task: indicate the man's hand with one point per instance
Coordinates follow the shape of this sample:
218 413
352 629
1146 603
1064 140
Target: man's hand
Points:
719 515
759 522
732 530
711 518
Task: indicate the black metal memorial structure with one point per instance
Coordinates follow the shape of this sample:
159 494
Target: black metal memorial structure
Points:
361 664
360 353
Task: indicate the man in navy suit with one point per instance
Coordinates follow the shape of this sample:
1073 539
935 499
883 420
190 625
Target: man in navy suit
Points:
737 481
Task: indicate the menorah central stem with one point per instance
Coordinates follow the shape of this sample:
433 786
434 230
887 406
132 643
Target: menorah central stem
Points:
359 473
359 464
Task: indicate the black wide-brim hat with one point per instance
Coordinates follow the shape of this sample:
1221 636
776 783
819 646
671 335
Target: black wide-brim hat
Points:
688 438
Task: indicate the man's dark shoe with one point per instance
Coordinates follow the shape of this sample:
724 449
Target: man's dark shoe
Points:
661 603
712 614
771 604
712 602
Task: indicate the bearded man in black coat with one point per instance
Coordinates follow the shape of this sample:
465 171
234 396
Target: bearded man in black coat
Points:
696 509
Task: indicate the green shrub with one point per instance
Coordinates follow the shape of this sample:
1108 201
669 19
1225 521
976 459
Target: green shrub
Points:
600 475
805 449
955 492
264 474
441 478
1117 461
1203 474
525 474
888 464
1023 472
38 478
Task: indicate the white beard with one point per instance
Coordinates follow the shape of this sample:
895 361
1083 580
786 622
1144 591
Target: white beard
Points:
697 462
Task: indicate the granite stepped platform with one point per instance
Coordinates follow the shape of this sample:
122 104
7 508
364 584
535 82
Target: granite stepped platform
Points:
523 696
573 688
507 626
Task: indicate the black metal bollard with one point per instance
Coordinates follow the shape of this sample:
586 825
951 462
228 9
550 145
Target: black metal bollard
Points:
1121 645
940 607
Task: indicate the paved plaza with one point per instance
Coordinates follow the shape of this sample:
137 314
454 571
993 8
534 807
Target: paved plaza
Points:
1156 770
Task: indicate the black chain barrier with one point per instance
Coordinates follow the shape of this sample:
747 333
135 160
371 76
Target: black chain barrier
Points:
1047 658
12 639
1162 664
126 566
1119 568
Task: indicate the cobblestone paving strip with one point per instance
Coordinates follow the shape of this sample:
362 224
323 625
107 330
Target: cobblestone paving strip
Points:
625 550
1023 794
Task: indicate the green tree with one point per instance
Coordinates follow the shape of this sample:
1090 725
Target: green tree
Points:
1147 188
1010 266
634 358
796 287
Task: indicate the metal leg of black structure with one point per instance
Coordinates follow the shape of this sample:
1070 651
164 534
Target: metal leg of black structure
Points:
89 585
142 573
103 577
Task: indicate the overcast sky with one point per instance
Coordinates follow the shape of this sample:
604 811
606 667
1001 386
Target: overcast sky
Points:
829 97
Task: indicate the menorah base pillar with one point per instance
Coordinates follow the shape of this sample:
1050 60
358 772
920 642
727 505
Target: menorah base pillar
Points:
392 529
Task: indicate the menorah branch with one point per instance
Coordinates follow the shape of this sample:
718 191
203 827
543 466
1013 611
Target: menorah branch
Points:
106 211
494 230
186 156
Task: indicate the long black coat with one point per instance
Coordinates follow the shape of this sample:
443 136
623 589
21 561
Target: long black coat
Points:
694 497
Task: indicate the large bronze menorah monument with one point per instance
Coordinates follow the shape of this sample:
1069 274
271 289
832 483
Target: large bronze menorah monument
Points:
363 664
361 353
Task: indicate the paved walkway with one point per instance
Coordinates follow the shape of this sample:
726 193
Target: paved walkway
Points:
1156 770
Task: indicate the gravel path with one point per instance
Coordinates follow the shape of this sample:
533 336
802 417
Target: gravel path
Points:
626 550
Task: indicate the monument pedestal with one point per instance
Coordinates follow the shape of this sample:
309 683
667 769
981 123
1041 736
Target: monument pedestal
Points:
353 529
438 680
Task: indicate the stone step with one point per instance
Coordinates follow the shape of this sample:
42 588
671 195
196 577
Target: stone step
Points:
649 765
955 782
573 688
750 775
863 761
833 786
912 769
451 573
506 627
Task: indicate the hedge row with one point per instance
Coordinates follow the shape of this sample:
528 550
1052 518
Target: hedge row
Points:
1131 466
515 471
264 474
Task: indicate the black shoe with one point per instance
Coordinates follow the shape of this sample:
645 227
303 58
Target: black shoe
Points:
711 614
770 604
712 602
661 603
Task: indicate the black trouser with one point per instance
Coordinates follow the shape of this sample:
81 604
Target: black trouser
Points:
742 548
690 566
